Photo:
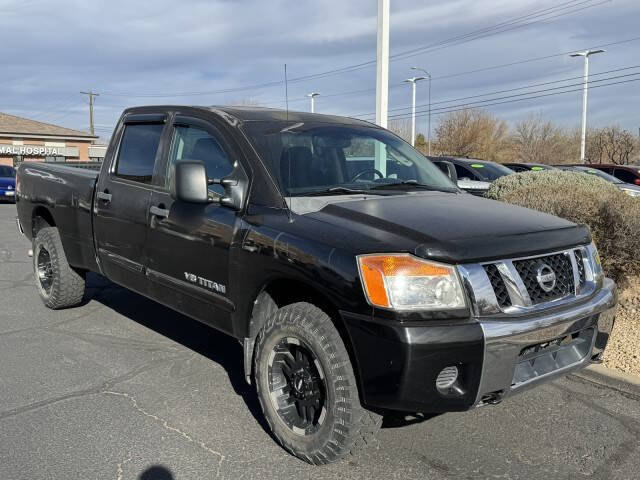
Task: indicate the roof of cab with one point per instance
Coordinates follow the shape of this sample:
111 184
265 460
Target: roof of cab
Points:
253 113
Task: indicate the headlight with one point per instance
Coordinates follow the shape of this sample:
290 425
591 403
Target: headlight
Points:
631 193
598 273
404 282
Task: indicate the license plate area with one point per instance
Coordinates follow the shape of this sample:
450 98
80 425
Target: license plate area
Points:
543 358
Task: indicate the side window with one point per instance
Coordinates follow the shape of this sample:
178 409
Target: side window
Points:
462 172
625 175
138 149
193 143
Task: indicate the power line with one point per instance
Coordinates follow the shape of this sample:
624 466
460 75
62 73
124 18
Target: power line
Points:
507 90
475 35
454 108
484 69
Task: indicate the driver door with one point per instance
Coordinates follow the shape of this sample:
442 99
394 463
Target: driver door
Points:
188 244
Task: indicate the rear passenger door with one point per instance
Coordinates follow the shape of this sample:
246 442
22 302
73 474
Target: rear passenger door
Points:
188 244
123 194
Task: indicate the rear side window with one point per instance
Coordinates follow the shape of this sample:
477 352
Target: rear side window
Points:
138 150
626 175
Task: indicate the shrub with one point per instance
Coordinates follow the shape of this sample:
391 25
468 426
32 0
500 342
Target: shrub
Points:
612 216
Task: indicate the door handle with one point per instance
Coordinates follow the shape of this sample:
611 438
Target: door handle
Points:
106 196
159 212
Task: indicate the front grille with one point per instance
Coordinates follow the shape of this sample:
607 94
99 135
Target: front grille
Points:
498 285
561 266
580 264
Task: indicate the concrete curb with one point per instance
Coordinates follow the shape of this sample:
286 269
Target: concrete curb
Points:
623 382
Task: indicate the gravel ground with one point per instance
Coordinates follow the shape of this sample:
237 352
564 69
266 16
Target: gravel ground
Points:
623 350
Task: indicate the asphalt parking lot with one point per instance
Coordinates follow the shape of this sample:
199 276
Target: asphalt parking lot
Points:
124 388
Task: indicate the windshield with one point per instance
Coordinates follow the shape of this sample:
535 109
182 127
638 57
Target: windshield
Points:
598 173
7 171
315 158
490 171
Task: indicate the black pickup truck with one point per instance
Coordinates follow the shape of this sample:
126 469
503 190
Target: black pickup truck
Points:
358 278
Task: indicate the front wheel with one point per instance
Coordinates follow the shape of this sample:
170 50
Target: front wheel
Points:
307 388
58 283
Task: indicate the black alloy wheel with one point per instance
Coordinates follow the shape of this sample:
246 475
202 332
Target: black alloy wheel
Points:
297 386
44 270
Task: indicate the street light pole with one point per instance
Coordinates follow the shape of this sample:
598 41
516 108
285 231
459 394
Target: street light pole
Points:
413 81
429 116
312 96
382 64
583 139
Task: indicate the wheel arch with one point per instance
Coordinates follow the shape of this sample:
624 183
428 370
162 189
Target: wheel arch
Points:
275 294
41 217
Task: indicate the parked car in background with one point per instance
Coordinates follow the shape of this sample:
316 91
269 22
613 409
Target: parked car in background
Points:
626 173
474 169
474 187
7 183
628 188
526 167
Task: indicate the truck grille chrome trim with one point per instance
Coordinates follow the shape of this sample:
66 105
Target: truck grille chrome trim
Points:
528 284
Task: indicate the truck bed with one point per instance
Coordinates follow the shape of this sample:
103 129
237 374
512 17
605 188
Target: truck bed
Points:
61 196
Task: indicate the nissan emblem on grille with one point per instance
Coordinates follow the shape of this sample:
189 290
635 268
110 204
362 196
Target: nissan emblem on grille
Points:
546 277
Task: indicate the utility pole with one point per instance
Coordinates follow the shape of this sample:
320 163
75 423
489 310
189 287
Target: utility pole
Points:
583 139
312 96
413 81
382 73
382 82
429 116
91 95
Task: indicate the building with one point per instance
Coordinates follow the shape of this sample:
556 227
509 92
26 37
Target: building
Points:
22 139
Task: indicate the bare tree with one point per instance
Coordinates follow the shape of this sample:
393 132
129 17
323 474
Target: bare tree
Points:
473 133
402 128
538 141
610 144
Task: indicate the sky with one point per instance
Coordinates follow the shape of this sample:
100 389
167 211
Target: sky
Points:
217 52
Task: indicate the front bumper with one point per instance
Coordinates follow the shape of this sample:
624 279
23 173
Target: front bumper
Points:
398 363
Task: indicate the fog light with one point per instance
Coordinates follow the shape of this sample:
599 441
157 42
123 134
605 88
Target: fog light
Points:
446 378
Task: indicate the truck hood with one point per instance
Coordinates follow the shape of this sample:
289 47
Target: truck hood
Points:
455 228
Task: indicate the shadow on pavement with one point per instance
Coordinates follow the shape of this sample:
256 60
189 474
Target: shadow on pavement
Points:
156 472
196 336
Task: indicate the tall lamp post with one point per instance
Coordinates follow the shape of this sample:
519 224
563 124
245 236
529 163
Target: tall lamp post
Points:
413 81
312 96
586 54
429 116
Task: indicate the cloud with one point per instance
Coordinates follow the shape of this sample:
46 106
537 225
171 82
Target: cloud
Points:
128 50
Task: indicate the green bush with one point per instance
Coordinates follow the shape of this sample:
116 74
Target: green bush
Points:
612 216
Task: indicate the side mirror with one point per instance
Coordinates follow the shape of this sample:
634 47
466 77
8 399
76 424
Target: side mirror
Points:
189 182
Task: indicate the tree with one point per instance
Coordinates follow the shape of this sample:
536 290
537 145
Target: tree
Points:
473 133
610 144
538 141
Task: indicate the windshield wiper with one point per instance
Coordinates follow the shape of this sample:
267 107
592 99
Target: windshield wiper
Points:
338 191
411 183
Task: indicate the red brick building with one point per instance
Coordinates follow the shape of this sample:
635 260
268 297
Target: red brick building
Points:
22 139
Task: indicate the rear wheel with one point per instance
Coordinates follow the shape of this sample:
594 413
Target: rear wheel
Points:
307 388
59 284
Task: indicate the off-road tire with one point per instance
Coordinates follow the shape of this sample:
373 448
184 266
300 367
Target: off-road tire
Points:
347 427
68 284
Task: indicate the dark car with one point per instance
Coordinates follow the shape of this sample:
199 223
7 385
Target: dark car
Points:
628 188
7 183
626 173
357 277
474 169
528 167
